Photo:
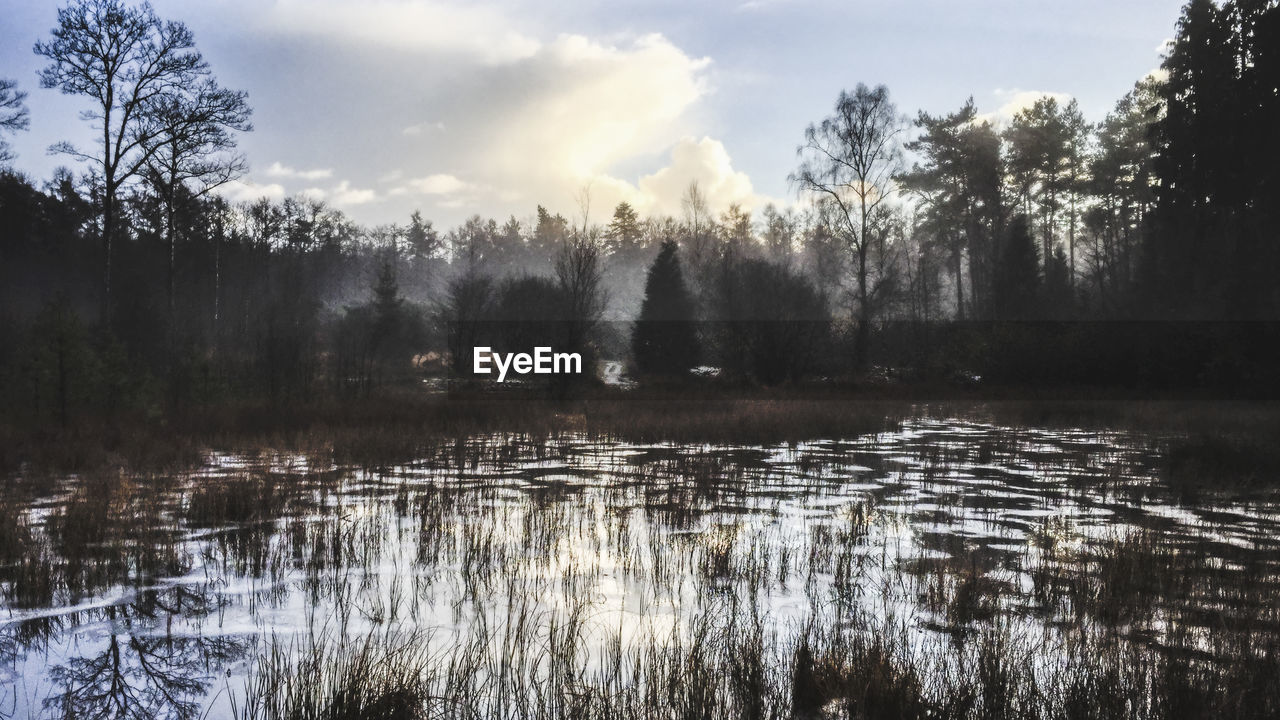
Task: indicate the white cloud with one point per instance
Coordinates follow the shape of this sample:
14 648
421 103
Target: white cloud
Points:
705 161
344 195
535 121
579 106
538 130
423 25
662 192
1015 101
248 191
283 171
422 127
439 184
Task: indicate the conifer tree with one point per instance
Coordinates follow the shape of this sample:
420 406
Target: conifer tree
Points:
665 341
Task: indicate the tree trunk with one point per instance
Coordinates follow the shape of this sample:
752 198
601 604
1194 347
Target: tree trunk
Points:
108 214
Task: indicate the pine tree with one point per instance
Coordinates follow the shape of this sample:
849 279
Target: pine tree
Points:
624 230
1018 274
386 309
664 341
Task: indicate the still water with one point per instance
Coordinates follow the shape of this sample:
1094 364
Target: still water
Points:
167 596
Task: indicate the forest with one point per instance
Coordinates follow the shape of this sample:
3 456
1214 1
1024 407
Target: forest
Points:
1137 250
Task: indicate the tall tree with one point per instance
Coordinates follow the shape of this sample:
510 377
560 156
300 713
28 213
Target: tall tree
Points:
128 62
848 161
1017 276
579 273
13 114
1211 252
1042 142
957 184
699 238
549 234
779 234
1121 182
193 153
424 241
665 339
624 230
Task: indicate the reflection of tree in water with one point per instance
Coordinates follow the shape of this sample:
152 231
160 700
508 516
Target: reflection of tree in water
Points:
138 675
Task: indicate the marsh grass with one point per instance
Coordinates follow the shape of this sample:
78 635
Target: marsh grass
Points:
380 676
483 580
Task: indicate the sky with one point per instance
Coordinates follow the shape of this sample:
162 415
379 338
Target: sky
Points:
383 107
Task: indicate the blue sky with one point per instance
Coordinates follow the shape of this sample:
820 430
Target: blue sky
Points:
387 106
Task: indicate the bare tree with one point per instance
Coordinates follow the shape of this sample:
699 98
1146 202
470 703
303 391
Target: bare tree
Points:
583 198
848 161
700 232
129 63
580 272
13 114
195 150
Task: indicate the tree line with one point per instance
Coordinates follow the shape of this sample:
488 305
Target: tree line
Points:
1047 248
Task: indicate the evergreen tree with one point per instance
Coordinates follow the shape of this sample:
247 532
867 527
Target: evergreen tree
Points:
424 241
665 341
624 230
1018 274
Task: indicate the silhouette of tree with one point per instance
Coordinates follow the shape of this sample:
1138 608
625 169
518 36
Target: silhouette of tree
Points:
1045 144
779 234
579 273
529 311
665 339
467 307
624 230
958 191
1211 252
772 322
13 114
130 64
1017 279
193 151
848 161
549 235
424 241
699 239
1122 184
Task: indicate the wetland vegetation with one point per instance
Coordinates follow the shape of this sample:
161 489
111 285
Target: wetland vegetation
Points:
935 567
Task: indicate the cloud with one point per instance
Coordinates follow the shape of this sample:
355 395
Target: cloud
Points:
422 127
538 130
344 195
703 161
578 106
531 121
427 26
438 184
283 171
248 191
1015 101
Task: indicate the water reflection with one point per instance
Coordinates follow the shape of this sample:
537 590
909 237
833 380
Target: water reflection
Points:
156 597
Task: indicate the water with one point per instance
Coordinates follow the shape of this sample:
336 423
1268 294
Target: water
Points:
161 597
